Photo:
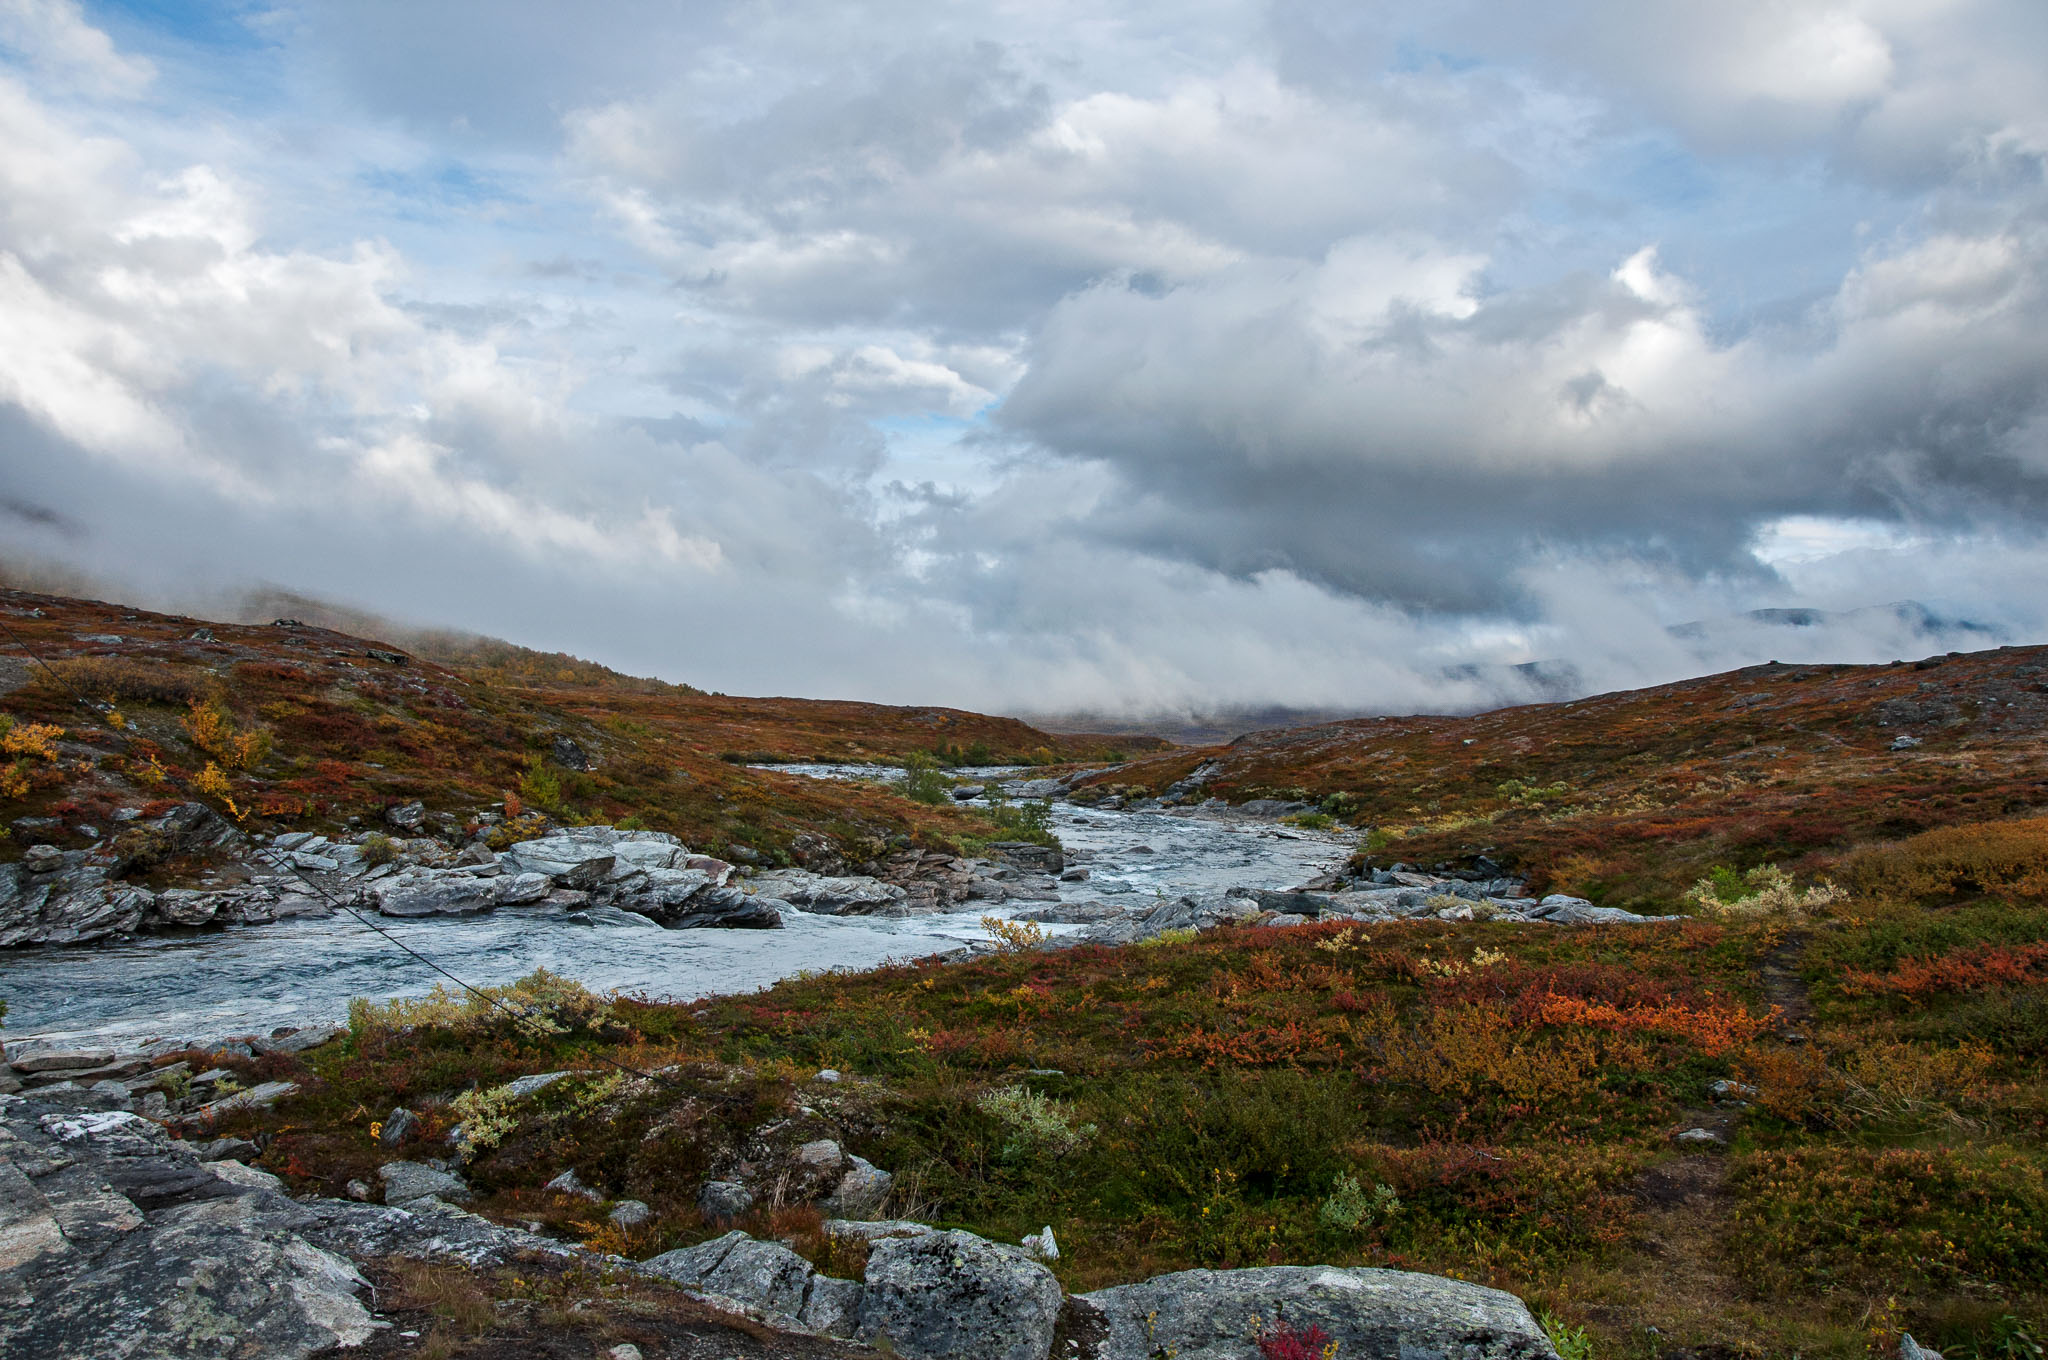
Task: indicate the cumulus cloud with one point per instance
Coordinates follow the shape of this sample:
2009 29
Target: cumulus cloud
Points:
1194 357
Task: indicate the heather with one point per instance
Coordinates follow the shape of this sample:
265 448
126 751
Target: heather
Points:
1492 1101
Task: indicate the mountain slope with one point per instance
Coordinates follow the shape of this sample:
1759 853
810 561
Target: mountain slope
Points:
1629 796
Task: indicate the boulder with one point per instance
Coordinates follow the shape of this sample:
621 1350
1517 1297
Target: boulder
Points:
568 754
406 816
1219 1314
849 895
730 908
115 1241
1041 859
568 1183
760 1274
1577 911
398 1126
70 902
521 888
405 1182
724 1201
630 1213
426 892
950 1295
860 1191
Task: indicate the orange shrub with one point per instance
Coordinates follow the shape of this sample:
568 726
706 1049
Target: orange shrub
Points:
1293 1044
1713 1028
1474 1051
1966 970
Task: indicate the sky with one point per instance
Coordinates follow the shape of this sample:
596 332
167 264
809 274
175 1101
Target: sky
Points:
1045 357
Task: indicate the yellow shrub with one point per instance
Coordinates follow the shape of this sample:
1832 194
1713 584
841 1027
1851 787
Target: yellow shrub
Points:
29 739
1997 858
213 732
1469 1051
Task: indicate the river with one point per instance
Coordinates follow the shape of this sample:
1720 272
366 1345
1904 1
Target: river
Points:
206 984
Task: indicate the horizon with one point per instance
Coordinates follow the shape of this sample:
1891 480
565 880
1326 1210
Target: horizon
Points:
1250 358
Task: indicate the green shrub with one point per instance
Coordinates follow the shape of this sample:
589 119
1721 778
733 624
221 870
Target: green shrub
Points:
1349 1206
377 848
1181 935
922 782
1036 1124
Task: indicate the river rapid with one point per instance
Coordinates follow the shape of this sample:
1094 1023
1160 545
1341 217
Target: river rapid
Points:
207 984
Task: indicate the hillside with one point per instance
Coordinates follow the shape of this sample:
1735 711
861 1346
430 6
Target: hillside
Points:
306 727
1628 797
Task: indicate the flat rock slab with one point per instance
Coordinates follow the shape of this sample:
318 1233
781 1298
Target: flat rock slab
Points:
1219 1315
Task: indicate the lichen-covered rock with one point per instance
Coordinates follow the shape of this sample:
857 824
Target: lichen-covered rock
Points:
405 1182
1219 1314
951 1295
860 1191
763 1275
424 892
117 1244
724 1201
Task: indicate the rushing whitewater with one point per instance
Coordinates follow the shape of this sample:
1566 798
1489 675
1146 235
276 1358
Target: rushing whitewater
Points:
250 979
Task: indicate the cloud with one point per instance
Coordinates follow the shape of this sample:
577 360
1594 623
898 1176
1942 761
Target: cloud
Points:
1037 357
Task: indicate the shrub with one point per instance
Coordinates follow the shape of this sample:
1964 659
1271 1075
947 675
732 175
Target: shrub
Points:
486 1117
213 731
1014 934
1764 891
1178 935
1571 1343
37 740
1282 1342
922 782
1311 821
1349 1206
377 848
1035 1123
111 679
1887 1219
1992 858
540 785
539 1005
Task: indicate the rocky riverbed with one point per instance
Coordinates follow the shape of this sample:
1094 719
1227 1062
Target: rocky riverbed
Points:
284 932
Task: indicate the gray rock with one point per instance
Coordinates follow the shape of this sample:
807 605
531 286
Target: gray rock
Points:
428 892
567 754
944 1295
539 1081
300 1040
821 1154
568 1183
42 859
1703 1137
848 895
1073 913
1909 1349
1577 911
963 792
398 1126
259 1097
405 1182
860 1191
630 1213
116 1242
851 1230
185 907
1042 1244
1043 859
406 816
1904 744
1218 1315
72 903
832 1306
519 889
63 1060
724 1201
759 1274
731 908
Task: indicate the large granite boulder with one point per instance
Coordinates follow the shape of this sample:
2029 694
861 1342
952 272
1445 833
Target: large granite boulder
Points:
1220 1314
951 1295
117 1243
427 892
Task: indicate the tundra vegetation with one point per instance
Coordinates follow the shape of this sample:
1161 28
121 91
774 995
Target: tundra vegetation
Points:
1803 1120
1488 1100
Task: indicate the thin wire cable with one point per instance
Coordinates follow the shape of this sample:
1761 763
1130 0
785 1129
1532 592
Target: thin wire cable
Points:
290 866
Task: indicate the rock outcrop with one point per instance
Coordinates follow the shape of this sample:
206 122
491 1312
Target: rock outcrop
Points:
1220 1314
